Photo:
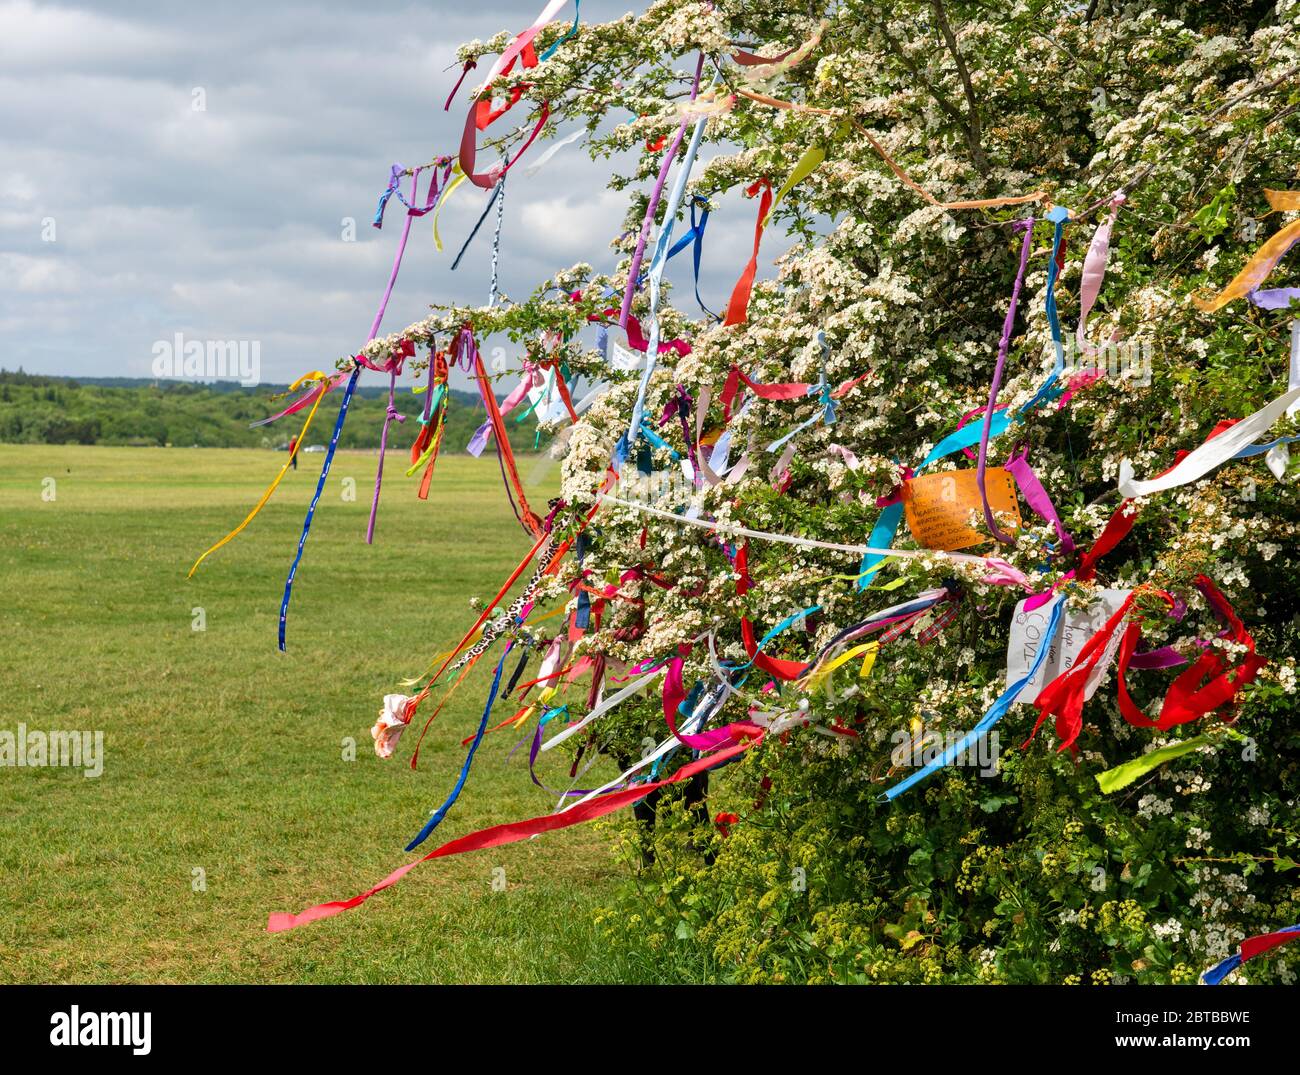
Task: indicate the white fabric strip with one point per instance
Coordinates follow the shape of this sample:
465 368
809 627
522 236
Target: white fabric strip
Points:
548 14
809 543
553 149
663 748
1279 455
604 707
1211 454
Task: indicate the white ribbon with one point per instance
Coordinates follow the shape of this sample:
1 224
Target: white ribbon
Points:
666 747
605 706
1212 453
1003 569
553 149
1279 455
655 274
547 15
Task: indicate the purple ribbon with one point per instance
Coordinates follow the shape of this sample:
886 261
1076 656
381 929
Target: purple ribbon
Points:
383 449
1004 345
1279 298
634 273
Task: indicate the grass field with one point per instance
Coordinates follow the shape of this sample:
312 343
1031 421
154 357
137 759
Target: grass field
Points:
226 756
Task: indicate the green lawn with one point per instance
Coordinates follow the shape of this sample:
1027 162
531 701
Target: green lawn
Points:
225 755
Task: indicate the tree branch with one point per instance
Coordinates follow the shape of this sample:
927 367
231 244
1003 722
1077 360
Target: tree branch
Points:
974 128
949 109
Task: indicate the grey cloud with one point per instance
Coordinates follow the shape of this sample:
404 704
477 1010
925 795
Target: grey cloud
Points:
226 223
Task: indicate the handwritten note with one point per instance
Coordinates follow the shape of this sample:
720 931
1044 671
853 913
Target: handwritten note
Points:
1075 629
938 506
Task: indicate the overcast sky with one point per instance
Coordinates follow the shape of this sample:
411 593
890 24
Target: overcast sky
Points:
226 223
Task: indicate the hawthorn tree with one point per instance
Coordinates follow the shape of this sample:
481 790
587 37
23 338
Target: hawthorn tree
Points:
1031 874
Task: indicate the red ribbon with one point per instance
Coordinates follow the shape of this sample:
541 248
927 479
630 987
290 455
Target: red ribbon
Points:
515 831
1119 525
1063 697
428 434
1204 687
1264 942
482 115
773 666
729 392
784 390
738 306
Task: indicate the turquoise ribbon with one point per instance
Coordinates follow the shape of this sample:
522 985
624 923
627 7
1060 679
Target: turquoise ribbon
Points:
886 528
882 534
647 431
550 49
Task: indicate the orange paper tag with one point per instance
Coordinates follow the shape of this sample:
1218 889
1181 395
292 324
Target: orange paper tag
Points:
939 506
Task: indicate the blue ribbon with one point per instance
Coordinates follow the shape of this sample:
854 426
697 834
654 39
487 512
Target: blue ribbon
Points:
1049 390
393 182
320 488
694 236
1259 449
882 534
995 713
442 811
822 389
395 187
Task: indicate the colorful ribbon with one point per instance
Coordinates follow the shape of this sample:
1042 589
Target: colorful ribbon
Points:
1004 346
1249 949
990 718
311 510
514 832
1264 260
441 812
314 376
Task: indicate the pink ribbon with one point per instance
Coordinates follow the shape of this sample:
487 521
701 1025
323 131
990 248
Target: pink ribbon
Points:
1094 270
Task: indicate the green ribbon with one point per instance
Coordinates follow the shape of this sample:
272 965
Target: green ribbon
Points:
1122 776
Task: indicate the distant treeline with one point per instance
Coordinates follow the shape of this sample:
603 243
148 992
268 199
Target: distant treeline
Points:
36 409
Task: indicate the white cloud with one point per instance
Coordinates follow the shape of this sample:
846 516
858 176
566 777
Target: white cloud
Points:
577 226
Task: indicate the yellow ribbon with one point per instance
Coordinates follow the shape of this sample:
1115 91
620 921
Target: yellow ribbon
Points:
865 574
543 699
315 375
446 195
806 165
1265 258
867 650
424 456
